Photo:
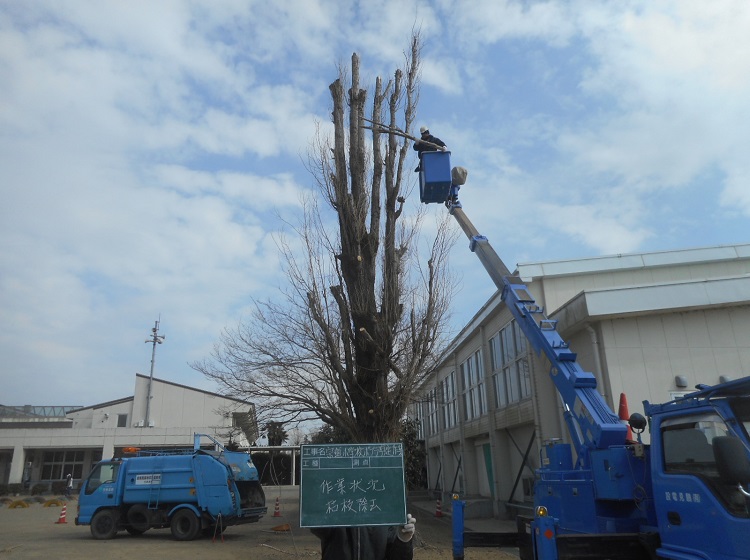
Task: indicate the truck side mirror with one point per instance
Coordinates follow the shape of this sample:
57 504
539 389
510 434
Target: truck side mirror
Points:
637 422
731 460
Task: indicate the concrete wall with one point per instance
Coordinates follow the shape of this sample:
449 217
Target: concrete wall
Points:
645 354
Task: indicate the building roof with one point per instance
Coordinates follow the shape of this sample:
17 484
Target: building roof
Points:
682 295
104 404
194 389
28 411
609 263
654 298
48 412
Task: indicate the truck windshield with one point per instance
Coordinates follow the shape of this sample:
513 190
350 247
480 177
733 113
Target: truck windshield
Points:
103 473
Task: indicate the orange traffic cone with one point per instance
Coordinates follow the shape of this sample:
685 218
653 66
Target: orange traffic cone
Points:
276 509
624 415
63 513
439 509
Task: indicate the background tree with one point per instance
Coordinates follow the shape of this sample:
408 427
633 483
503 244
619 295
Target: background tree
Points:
356 328
415 456
327 434
230 437
276 433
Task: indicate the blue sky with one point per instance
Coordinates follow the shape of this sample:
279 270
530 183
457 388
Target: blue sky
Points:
149 151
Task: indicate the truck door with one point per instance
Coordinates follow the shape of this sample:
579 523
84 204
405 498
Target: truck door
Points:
100 489
696 510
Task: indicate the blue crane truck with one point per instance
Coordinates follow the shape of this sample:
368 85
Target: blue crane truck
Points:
191 491
683 496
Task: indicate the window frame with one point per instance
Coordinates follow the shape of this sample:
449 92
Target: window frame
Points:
511 366
473 389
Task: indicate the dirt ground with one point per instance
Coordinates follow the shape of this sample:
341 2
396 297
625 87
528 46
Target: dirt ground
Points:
35 532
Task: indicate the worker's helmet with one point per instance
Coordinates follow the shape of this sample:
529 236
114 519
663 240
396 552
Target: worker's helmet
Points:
423 130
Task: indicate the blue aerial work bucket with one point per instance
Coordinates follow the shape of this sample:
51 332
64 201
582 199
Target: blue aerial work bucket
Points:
435 177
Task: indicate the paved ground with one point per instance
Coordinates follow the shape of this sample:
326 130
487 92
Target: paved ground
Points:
33 532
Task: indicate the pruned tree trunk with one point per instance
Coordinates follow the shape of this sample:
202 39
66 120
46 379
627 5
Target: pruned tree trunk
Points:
362 316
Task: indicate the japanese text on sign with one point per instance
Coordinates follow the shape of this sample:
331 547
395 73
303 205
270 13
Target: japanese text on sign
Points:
350 485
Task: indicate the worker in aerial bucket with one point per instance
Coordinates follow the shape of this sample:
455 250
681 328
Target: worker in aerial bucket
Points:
427 143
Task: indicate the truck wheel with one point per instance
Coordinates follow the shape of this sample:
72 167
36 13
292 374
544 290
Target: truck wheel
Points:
139 519
185 525
104 524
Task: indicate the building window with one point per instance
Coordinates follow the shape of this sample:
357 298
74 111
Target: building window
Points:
420 425
58 464
122 420
472 378
432 413
448 400
510 365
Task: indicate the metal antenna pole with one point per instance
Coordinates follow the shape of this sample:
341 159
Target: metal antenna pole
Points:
155 339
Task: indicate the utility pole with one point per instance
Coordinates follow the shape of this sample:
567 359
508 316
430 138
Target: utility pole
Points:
155 339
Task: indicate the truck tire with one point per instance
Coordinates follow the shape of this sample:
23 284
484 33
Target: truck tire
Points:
104 524
185 525
139 519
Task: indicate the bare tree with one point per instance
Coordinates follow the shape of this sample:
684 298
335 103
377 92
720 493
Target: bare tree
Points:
357 327
276 433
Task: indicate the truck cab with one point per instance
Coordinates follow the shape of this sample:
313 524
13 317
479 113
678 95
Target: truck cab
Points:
101 488
700 453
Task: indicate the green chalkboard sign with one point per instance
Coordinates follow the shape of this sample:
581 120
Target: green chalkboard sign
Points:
348 485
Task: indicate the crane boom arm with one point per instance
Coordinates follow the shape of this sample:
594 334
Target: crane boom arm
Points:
591 422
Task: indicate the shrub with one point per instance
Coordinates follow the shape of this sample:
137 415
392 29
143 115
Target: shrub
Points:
39 489
15 488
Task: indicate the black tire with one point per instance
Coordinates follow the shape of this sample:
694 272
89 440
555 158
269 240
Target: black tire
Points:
104 524
133 531
139 519
185 525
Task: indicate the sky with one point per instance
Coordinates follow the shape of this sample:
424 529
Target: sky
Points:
151 152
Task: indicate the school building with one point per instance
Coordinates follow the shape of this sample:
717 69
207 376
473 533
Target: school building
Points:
650 326
42 444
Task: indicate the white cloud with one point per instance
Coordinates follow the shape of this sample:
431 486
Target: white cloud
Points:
251 192
736 194
443 74
485 22
607 228
679 75
146 148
